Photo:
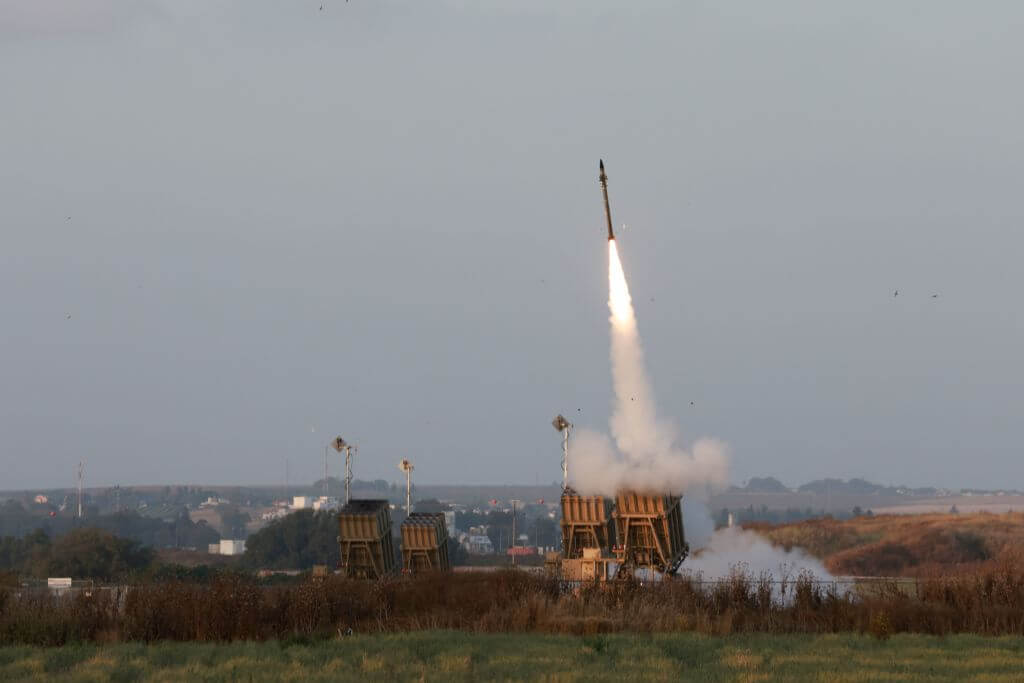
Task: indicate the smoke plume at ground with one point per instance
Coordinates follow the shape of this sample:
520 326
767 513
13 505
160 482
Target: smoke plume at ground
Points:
716 554
644 456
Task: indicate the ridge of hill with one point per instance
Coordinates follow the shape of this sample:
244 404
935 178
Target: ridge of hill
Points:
904 545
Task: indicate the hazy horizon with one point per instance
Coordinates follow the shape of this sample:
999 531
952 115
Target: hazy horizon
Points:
233 230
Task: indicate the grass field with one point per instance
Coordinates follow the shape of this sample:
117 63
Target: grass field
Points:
456 656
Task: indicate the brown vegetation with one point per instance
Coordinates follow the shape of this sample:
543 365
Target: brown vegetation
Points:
233 607
905 545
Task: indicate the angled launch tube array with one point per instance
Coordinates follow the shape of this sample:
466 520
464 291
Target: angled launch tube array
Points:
364 537
425 543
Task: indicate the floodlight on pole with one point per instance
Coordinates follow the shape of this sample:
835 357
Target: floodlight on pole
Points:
339 444
562 425
407 467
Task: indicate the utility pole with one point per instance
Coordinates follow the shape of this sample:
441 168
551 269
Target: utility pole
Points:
81 475
513 533
326 446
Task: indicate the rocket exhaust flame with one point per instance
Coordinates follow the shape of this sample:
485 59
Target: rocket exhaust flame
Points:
619 301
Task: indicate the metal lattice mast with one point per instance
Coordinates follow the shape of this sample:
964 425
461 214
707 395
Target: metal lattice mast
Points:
562 425
339 444
407 467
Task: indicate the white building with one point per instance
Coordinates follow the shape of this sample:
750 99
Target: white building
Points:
231 547
301 502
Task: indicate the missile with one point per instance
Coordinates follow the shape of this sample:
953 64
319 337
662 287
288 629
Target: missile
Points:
607 210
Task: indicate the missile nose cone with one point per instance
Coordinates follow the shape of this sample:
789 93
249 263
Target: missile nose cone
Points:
601 163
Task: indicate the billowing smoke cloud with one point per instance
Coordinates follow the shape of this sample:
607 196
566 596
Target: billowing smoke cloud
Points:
716 554
733 549
647 457
599 469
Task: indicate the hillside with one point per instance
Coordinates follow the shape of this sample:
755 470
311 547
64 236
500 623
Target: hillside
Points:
904 545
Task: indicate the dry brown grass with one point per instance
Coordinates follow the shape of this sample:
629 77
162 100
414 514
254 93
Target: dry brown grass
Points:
236 608
906 545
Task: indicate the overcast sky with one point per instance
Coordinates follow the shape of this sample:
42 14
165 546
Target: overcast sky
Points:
232 230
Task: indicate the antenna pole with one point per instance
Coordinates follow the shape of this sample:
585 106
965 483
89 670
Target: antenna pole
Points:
326 446
408 491
514 532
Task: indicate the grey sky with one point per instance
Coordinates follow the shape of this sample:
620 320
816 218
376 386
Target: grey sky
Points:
382 220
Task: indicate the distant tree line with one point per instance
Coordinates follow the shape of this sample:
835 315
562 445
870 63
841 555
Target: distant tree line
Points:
182 532
776 516
81 553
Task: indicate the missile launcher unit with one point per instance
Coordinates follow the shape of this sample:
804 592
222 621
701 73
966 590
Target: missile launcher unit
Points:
425 543
649 531
364 537
586 523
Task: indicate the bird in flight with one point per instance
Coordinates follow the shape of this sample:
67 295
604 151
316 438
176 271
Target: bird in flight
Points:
935 296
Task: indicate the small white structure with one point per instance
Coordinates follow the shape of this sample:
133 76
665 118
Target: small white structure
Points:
59 585
326 503
301 502
213 548
276 513
449 521
479 545
231 547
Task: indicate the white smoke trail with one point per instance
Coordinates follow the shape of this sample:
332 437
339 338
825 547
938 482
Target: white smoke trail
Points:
648 460
647 457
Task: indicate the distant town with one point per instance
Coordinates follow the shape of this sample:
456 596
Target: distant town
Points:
195 525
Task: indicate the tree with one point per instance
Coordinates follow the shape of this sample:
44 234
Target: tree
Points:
96 554
429 505
297 541
457 555
233 522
